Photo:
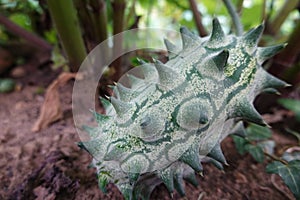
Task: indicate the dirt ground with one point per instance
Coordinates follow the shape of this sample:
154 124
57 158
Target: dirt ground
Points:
48 165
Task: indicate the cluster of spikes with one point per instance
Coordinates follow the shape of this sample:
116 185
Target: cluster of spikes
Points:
161 128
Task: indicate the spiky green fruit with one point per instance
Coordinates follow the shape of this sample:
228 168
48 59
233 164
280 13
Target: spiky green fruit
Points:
161 128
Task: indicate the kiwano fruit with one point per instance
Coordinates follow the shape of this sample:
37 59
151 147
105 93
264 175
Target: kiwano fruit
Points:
161 128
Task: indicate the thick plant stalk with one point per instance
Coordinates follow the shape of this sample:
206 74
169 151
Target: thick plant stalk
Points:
64 15
118 26
85 18
281 16
99 23
98 15
235 17
197 18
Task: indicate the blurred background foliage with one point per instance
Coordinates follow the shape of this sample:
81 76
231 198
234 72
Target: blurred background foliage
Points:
43 24
62 33
33 15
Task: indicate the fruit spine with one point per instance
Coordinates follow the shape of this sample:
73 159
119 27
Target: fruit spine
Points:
161 128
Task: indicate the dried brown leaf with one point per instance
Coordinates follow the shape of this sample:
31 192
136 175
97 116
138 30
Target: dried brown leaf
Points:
51 110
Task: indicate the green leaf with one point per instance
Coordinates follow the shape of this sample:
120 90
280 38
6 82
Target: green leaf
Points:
290 174
256 132
291 104
213 7
135 61
58 59
240 143
251 16
103 180
22 20
256 152
102 183
51 36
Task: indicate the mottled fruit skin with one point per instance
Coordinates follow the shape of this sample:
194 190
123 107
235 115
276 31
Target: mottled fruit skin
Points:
164 125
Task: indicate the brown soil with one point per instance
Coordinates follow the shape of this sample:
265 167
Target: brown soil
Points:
49 165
